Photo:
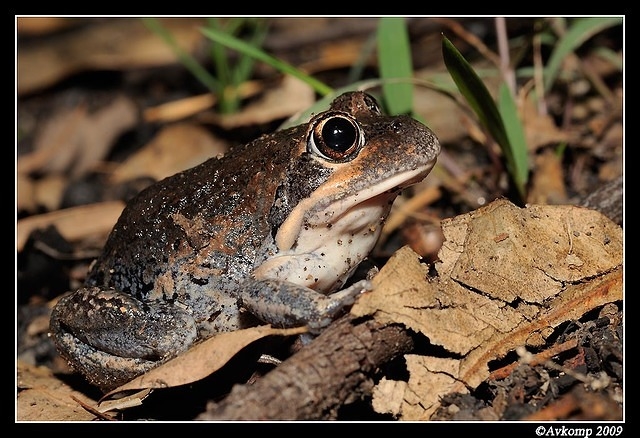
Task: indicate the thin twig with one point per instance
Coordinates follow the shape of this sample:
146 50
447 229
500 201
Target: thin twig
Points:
508 74
538 73
470 38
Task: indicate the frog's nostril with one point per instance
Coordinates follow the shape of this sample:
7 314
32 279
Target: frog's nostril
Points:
397 126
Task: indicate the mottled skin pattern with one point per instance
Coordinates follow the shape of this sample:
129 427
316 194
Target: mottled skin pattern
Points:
275 227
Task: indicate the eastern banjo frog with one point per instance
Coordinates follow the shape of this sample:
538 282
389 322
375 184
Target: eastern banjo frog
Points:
270 232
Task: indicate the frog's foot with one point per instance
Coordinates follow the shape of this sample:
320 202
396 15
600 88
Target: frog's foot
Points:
111 337
285 304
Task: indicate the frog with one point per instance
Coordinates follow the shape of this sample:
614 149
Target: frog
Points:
268 233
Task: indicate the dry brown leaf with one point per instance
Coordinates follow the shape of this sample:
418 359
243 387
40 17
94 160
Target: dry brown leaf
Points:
42 397
45 192
120 44
179 109
42 25
336 54
427 377
291 96
528 254
506 278
73 141
72 223
25 193
539 129
49 191
176 147
441 112
195 105
547 183
202 359
388 396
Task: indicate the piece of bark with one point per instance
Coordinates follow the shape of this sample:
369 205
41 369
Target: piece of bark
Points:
608 200
333 370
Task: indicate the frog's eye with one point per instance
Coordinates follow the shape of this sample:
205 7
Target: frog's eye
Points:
335 136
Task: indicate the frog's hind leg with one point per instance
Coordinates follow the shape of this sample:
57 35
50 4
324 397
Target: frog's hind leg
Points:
111 331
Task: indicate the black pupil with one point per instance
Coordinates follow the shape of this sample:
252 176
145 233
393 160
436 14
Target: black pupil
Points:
339 134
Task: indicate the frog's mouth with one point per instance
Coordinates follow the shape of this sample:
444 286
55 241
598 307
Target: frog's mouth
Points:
332 212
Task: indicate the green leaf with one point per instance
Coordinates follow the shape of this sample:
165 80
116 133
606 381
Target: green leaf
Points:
580 31
394 57
474 91
249 50
518 160
481 102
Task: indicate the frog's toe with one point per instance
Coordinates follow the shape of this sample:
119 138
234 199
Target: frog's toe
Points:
332 305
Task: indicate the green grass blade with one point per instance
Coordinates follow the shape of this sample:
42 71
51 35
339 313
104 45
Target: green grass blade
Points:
581 30
185 58
228 101
231 74
474 91
368 49
611 56
518 156
394 57
256 53
481 102
245 65
218 55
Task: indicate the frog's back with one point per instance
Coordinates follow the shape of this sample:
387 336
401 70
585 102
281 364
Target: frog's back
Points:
192 230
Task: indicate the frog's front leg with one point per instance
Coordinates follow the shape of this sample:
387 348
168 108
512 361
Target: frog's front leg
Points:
112 337
286 304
